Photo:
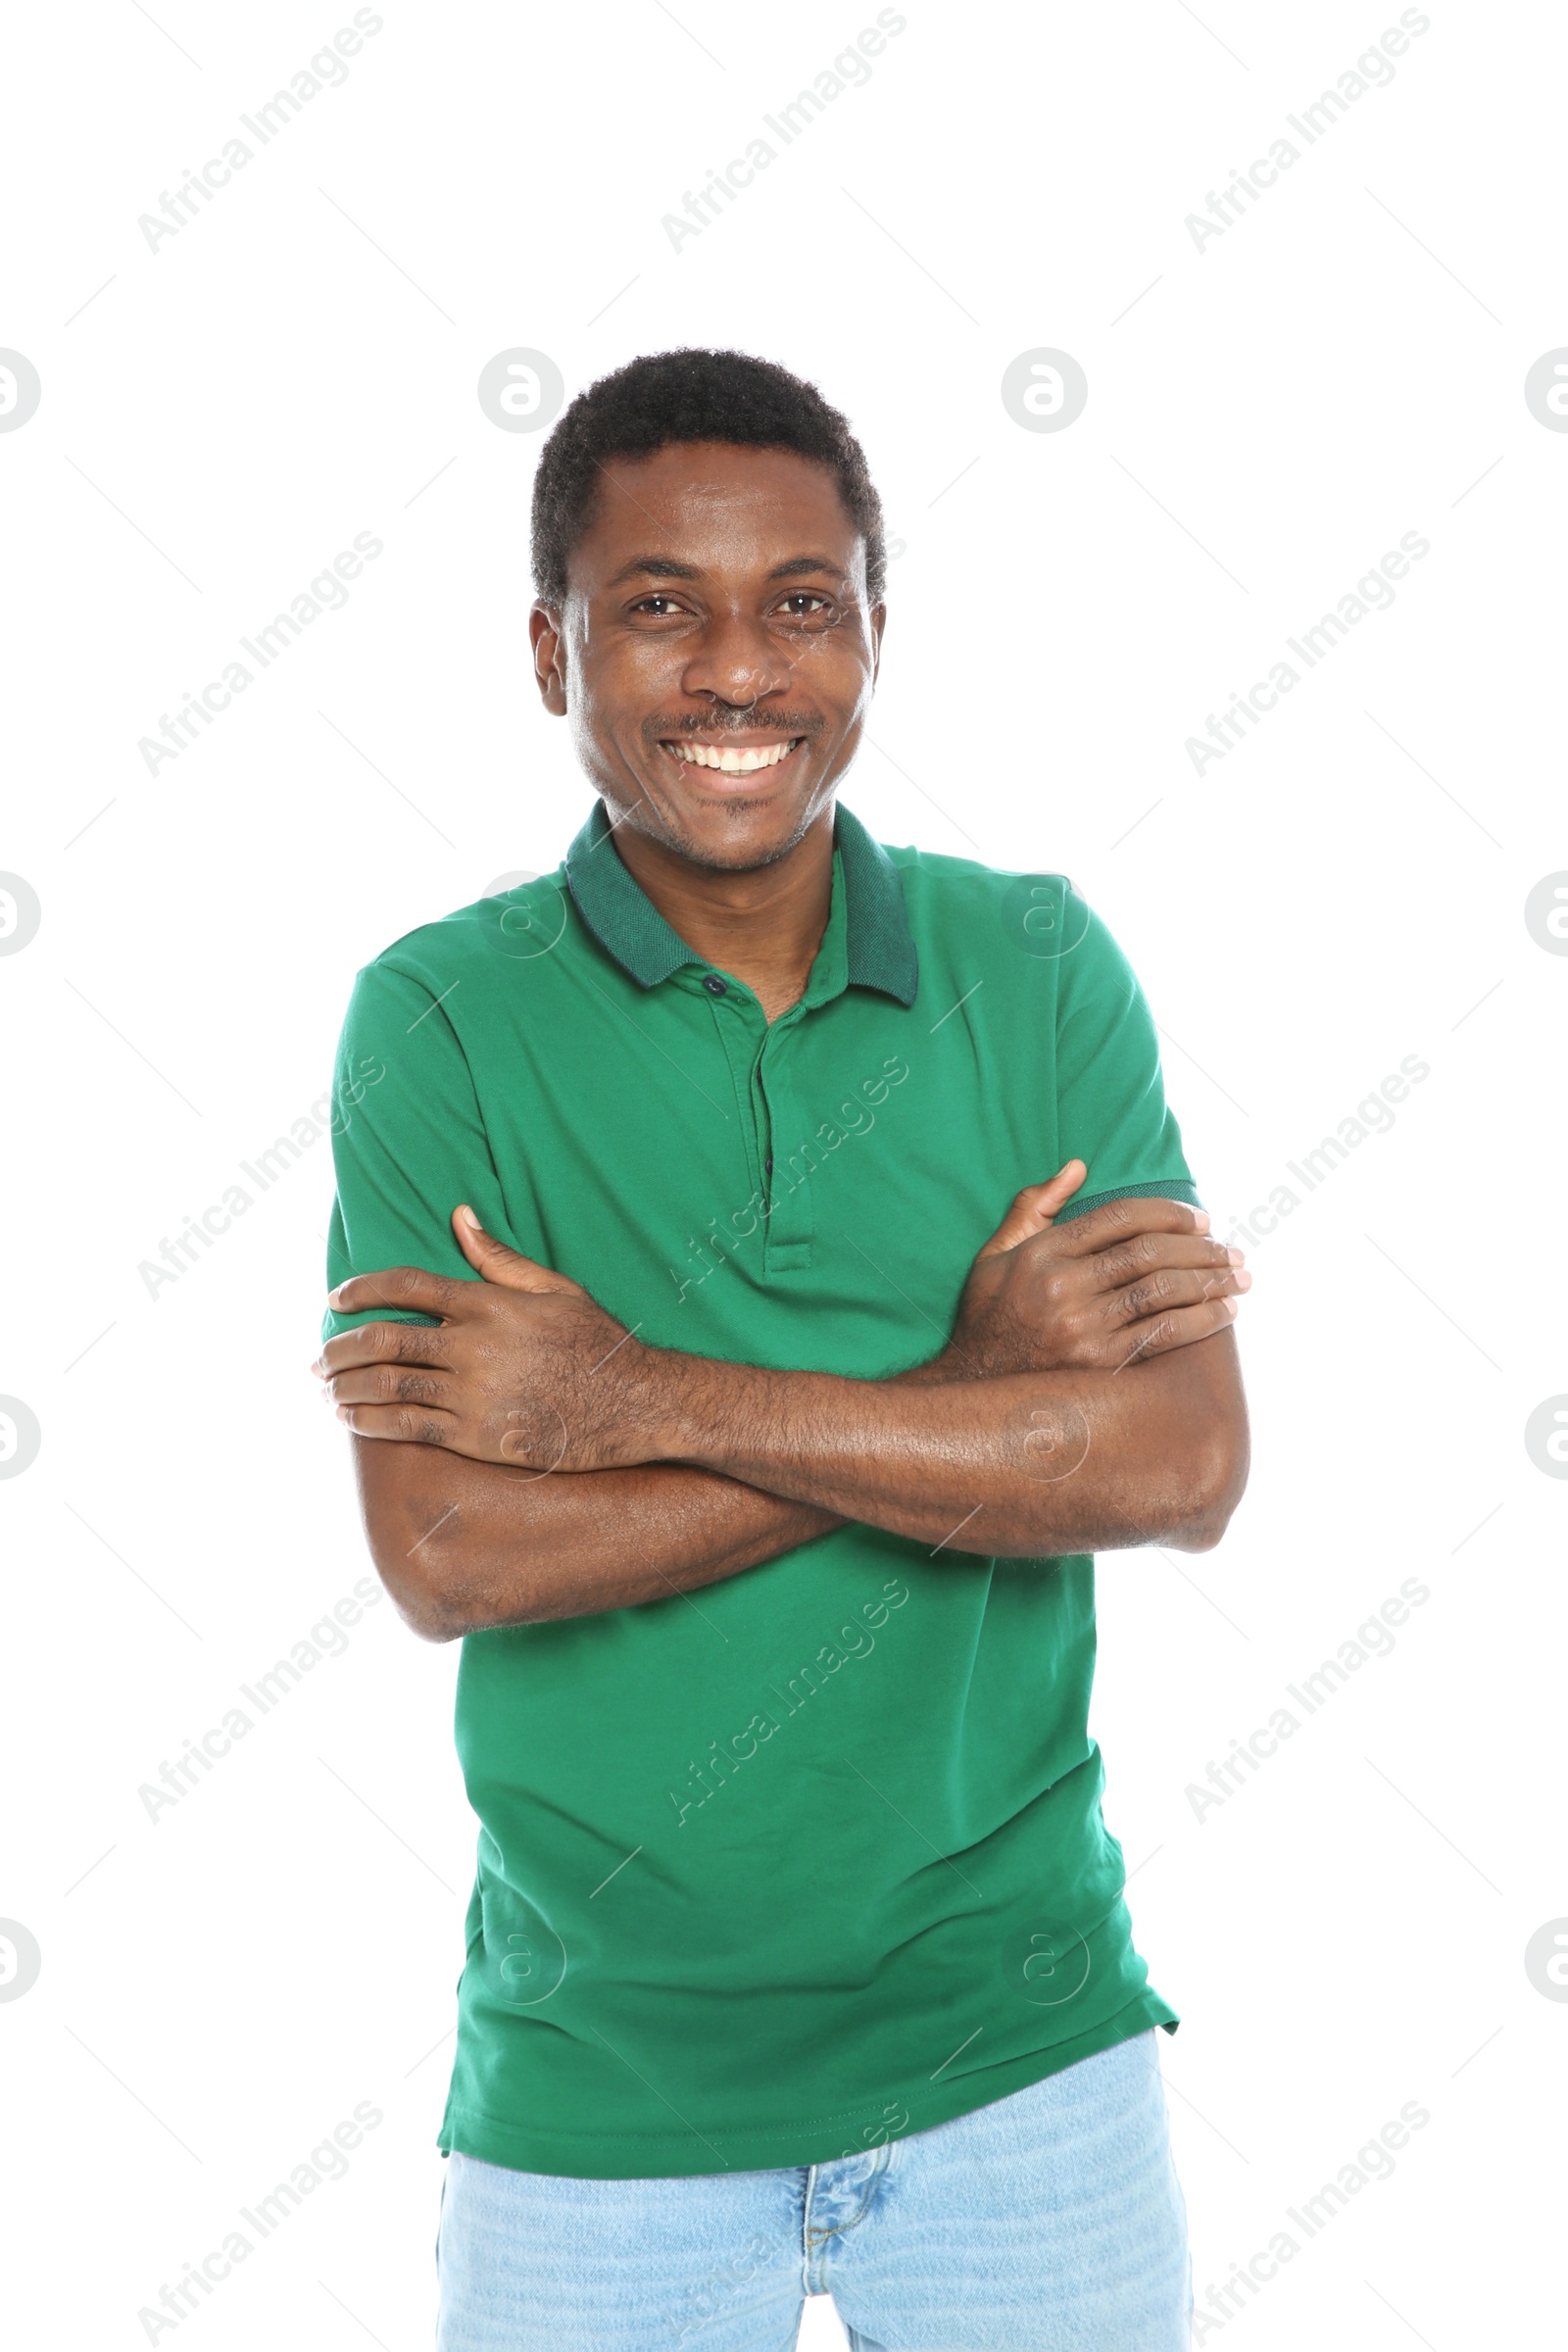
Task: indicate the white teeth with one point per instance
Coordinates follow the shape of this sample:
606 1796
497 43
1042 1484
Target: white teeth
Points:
731 763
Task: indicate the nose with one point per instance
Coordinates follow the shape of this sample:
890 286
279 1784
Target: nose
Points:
736 660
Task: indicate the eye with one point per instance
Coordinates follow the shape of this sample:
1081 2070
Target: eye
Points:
806 596
666 604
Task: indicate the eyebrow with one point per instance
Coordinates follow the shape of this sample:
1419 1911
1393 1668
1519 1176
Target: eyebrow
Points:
669 567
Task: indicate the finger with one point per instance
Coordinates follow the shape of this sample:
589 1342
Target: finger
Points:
382 1343
1124 1220
498 1262
406 1424
1173 1287
392 1383
397 1286
1033 1209
1178 1329
1150 1254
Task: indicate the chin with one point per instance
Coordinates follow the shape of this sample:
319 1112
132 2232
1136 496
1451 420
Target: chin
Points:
736 832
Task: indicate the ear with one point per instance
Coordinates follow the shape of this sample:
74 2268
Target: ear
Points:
548 637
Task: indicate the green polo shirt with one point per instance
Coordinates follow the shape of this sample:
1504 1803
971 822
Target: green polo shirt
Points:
813 1857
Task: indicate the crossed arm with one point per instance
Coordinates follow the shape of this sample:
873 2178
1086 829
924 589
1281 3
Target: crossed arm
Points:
526 1458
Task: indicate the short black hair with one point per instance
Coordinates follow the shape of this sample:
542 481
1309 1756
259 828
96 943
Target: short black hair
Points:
668 397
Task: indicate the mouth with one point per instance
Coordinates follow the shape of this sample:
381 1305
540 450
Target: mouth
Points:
731 759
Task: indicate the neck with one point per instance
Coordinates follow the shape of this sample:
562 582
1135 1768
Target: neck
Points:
764 924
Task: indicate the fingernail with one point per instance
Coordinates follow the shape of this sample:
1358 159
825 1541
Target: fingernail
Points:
1231 1306
1235 1256
1202 1216
1243 1281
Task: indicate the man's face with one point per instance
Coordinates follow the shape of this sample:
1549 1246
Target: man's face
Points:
715 656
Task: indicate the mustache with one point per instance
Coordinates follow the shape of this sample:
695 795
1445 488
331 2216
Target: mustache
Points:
755 722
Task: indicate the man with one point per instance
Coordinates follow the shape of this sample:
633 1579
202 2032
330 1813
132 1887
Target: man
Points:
694 1382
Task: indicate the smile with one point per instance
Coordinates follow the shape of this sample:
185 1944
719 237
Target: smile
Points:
731 759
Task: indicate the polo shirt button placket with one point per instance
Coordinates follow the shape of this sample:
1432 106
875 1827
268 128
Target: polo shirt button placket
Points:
739 1052
791 1220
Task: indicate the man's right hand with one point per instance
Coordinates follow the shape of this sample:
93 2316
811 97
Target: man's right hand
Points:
1132 1278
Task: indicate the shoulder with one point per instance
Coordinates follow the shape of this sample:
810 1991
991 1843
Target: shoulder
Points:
493 944
1039 912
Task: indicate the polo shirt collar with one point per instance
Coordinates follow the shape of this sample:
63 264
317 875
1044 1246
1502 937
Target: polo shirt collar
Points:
879 945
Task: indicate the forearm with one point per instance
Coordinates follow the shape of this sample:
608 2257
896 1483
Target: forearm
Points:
1027 1464
462 1546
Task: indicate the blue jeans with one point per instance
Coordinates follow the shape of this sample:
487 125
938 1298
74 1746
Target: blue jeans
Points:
1050 2220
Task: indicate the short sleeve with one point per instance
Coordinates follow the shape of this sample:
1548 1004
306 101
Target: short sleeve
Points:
409 1142
1110 1094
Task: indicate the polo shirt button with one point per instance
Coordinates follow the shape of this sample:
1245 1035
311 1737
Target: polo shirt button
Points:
715 984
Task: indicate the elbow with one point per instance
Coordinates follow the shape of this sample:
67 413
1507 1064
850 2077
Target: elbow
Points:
432 1619
408 1534
1218 1481
425 1608
430 1530
443 1590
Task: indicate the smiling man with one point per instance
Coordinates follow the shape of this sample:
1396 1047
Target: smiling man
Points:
766 1270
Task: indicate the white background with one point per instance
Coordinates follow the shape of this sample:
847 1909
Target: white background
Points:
1266 416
